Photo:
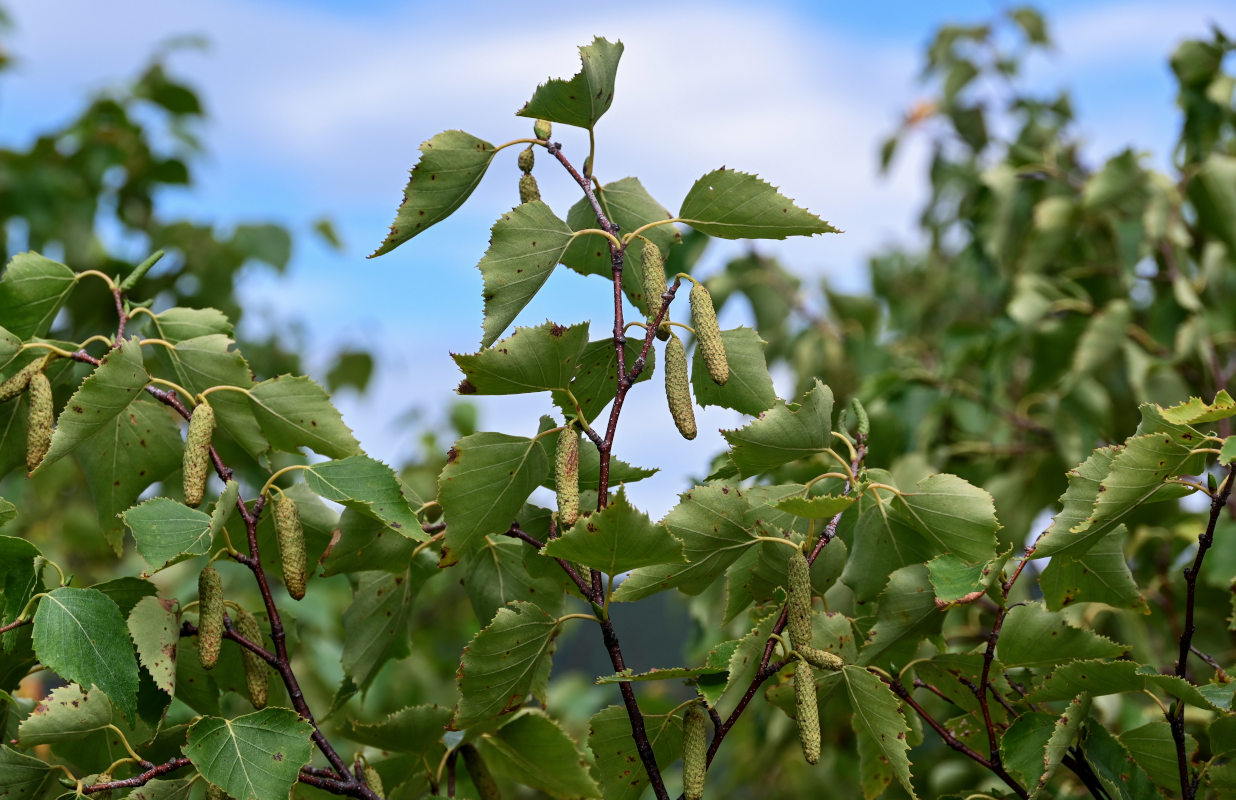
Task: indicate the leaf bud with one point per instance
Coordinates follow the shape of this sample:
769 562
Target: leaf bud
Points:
209 616
197 453
291 537
39 421
542 129
708 334
678 387
808 712
694 752
566 476
654 278
798 618
526 159
528 190
255 667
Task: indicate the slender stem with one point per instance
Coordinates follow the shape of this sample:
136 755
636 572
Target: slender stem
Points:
17 623
152 772
642 744
567 567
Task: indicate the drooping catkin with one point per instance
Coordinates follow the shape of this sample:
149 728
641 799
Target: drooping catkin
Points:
798 618
820 659
566 477
526 159
808 713
694 752
16 383
373 780
291 537
256 677
528 190
678 387
209 615
39 421
486 786
197 453
708 334
654 278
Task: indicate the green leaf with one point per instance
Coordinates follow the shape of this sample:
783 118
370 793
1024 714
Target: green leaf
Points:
32 289
956 581
1227 453
125 457
1154 750
709 521
223 508
504 663
159 789
877 717
617 539
529 360
294 412
1100 575
906 613
1120 776
366 544
584 98
535 751
956 516
628 205
67 713
750 388
1195 411
782 434
882 545
414 730
1035 743
177 324
525 245
368 486
495 575
19 578
376 624
597 376
736 205
1034 637
27 778
1114 677
127 591
450 167
487 478
253 757
1101 340
155 631
1077 501
662 674
618 765
81 635
167 532
820 507
103 395
1212 190
203 362
10 346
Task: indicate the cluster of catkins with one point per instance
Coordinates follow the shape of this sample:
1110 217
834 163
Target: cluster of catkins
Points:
528 190
33 380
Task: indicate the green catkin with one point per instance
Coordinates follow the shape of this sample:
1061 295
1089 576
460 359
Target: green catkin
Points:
678 387
694 752
654 278
708 334
291 536
542 129
566 477
374 781
864 424
820 659
526 159
798 618
16 383
209 616
197 453
42 413
528 190
255 667
808 713
486 786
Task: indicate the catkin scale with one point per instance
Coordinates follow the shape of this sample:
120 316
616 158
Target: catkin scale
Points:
209 616
678 387
484 782
291 537
708 333
255 668
197 453
16 383
808 713
694 752
654 277
39 421
798 619
528 190
526 159
566 476
374 781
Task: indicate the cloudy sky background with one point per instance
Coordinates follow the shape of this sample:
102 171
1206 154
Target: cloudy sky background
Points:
317 108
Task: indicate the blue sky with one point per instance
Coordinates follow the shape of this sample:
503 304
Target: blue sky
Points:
317 108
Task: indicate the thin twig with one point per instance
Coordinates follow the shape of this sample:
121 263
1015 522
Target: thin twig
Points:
139 780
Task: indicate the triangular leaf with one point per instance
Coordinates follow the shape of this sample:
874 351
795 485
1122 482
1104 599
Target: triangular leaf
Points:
1100 575
501 469
1036 638
617 539
67 713
450 167
584 98
495 575
253 757
906 613
166 531
296 412
1196 411
749 388
609 736
27 778
376 623
1154 750
504 663
957 517
781 434
529 360
535 751
32 289
820 507
153 627
368 486
1114 677
877 716
413 730
737 205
